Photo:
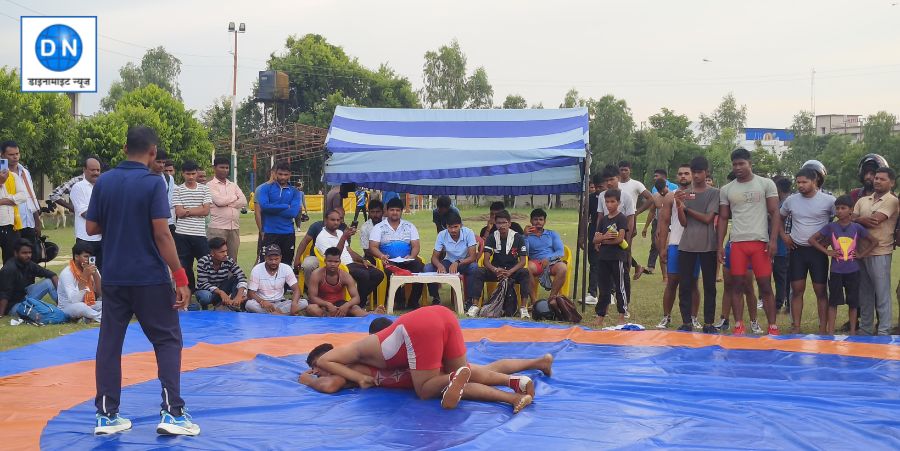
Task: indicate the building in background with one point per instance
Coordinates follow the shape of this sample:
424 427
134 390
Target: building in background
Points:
775 140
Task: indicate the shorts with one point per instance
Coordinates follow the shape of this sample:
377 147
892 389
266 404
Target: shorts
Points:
838 283
422 339
539 266
392 378
750 254
806 259
339 303
672 262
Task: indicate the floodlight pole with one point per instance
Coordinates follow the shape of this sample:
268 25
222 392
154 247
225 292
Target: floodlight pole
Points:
235 30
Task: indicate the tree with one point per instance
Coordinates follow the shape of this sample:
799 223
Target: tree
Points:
322 75
446 84
41 124
840 157
878 137
572 99
611 130
728 115
481 93
515 102
673 126
765 163
158 67
719 154
806 145
183 137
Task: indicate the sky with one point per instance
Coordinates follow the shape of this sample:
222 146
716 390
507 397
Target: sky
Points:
649 52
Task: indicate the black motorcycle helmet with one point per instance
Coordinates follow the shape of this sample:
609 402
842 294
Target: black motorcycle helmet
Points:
541 310
869 163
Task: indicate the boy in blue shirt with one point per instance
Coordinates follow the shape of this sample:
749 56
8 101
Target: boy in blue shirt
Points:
545 253
454 252
844 236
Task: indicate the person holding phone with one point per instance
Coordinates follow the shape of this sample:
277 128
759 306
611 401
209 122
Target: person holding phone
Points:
29 210
365 274
79 285
80 196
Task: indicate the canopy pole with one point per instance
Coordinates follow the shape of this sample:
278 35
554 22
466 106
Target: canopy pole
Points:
581 261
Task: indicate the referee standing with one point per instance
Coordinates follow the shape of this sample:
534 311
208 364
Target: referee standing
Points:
130 207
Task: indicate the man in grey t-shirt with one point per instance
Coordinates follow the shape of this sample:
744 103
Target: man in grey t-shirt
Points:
699 206
810 209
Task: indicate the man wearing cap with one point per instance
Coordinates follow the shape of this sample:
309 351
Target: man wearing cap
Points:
267 281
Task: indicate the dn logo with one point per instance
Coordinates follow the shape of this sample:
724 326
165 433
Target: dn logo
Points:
58 48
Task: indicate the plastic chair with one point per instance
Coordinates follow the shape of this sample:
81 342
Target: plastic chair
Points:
301 278
407 289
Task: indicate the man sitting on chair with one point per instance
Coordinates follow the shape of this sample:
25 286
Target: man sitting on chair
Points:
326 289
454 252
367 277
507 252
545 253
397 238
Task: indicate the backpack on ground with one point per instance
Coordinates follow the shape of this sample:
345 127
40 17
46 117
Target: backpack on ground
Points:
40 313
502 302
564 309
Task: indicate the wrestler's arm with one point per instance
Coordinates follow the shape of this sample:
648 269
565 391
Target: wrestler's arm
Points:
324 384
337 361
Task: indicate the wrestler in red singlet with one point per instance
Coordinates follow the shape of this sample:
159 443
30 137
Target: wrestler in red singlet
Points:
331 293
422 339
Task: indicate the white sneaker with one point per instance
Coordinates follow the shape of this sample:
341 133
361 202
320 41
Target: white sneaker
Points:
523 312
111 424
664 323
696 323
759 304
472 312
754 327
721 324
172 425
627 313
590 300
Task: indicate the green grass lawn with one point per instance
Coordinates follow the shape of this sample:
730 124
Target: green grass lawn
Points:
645 307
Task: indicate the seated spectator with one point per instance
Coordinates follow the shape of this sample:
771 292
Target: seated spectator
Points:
398 239
454 252
79 285
491 227
309 262
17 278
545 253
376 213
367 277
220 281
267 281
327 285
441 214
507 252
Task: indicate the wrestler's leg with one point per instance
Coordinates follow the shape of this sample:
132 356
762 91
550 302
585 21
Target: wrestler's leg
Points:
479 392
512 366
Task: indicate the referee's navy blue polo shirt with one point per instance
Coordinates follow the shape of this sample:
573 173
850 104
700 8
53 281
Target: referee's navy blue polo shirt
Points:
124 202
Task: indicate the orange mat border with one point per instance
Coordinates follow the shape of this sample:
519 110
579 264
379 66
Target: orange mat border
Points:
26 410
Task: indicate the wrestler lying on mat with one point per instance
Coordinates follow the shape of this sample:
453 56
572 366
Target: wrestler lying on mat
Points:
427 343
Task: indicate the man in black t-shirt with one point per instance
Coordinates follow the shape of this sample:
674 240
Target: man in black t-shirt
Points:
491 226
507 252
612 229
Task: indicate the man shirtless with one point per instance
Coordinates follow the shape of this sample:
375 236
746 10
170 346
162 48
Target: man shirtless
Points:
428 341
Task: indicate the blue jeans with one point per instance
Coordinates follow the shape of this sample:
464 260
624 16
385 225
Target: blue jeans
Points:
40 289
208 298
463 269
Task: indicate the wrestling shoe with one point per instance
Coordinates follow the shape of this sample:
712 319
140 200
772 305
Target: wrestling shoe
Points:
710 329
773 329
685 328
739 328
696 323
590 300
754 327
664 322
181 425
454 391
472 311
722 324
110 424
521 384
523 312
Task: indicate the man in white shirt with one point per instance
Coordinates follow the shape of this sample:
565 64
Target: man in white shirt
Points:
29 210
79 287
367 277
396 238
192 201
80 197
267 281
635 190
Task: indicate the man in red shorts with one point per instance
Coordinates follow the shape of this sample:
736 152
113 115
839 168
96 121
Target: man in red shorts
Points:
751 202
427 340
495 373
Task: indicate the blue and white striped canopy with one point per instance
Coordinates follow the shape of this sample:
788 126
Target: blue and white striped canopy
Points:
491 152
